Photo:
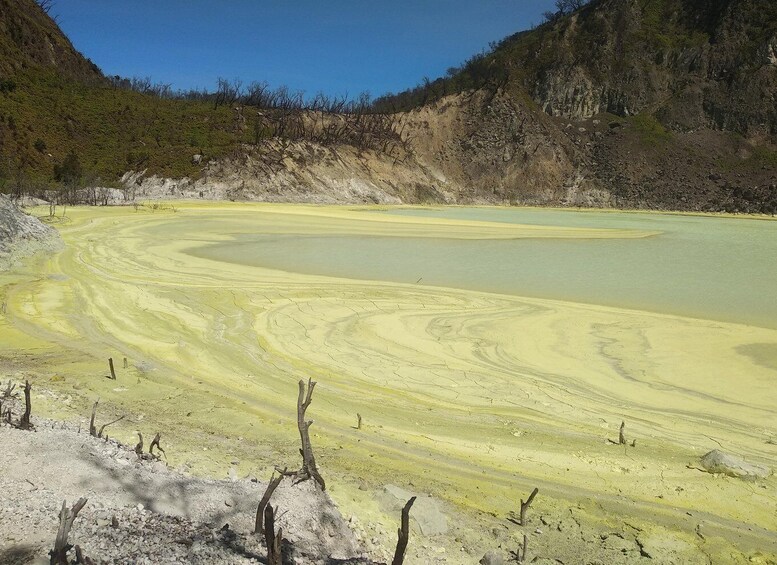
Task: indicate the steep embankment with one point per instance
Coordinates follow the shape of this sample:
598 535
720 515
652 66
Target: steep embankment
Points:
22 235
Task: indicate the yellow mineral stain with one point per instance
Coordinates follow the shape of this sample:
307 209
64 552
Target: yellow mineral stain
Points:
472 397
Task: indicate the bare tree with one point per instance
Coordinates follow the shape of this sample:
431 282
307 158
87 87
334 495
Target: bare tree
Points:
309 468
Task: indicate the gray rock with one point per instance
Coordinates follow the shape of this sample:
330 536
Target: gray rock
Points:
492 558
426 510
717 461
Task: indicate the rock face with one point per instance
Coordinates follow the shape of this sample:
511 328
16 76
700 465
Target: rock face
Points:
22 235
719 462
426 510
700 64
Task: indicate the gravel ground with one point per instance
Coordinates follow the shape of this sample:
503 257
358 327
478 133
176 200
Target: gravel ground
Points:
141 512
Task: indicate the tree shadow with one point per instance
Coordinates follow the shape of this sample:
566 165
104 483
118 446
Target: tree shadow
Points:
19 554
178 496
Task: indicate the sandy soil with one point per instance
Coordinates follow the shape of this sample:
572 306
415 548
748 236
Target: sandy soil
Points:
470 397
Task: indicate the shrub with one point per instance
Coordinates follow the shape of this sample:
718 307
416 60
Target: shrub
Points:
69 171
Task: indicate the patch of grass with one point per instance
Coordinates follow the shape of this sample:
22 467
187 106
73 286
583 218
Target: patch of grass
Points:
650 130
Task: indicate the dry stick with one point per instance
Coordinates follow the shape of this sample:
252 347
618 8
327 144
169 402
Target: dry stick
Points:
403 534
621 436
274 482
8 392
24 423
272 540
66 519
139 446
309 468
102 428
525 505
522 558
110 364
92 427
155 442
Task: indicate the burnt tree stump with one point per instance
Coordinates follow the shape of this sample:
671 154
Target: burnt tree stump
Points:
61 546
272 539
24 422
403 534
274 482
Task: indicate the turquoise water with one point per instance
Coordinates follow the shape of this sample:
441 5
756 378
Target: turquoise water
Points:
705 267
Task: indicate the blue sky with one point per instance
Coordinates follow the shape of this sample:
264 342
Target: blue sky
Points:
334 46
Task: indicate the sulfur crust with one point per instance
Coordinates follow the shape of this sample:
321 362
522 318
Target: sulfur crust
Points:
468 395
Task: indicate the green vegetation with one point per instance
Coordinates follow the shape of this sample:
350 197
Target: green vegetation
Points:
650 130
52 121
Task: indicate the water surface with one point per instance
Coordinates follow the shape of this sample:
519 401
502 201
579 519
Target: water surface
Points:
716 268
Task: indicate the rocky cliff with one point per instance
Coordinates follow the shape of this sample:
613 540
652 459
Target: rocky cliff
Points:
690 63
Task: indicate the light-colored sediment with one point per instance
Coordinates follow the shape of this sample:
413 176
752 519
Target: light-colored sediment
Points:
472 397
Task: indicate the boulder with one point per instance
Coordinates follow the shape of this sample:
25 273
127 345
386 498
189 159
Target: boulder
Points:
426 510
717 461
492 558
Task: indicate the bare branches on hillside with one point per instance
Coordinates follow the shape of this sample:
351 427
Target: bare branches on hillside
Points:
93 428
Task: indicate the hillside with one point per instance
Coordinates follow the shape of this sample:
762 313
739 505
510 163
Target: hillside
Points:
628 103
29 38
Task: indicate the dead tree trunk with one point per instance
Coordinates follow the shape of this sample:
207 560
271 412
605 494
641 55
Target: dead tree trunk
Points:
61 546
92 427
272 539
110 364
309 469
525 505
274 482
24 423
403 534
